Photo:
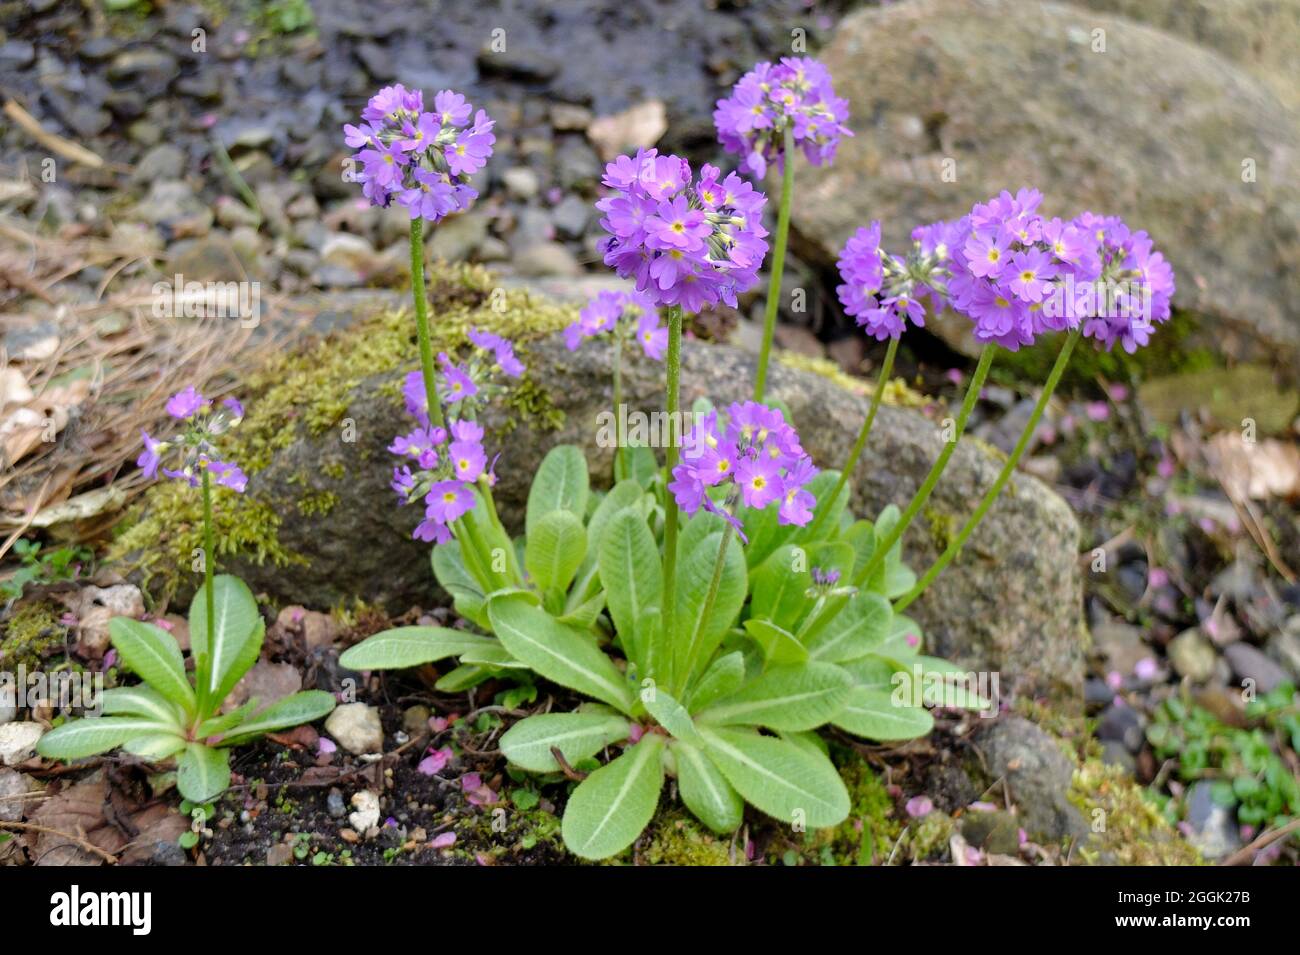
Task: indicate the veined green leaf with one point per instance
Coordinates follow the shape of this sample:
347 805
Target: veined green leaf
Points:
203 773
95 735
821 487
153 654
584 615
622 496
871 671
859 628
577 736
787 782
141 701
704 789
408 647
556 545
492 654
780 589
225 722
940 682
697 637
154 746
873 714
466 593
632 577
671 715
236 639
792 698
306 706
462 678
779 646
559 653
611 807
561 484
722 678
637 463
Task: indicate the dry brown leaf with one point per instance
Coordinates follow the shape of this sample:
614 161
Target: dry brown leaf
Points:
1258 470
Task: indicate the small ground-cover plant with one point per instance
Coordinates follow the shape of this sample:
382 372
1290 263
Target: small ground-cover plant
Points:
1249 766
43 566
172 714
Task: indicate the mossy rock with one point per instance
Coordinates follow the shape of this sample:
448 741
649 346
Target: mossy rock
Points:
319 524
1125 826
28 633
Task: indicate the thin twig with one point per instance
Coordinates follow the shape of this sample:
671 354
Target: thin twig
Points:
84 844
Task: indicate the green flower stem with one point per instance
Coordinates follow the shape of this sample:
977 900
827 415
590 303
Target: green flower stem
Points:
860 445
688 662
931 479
475 551
422 324
955 545
512 560
673 403
778 263
620 459
203 678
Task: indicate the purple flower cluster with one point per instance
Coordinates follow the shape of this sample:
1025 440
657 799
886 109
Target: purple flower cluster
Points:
441 464
606 313
685 241
196 451
755 457
795 92
1136 288
882 291
423 159
1015 274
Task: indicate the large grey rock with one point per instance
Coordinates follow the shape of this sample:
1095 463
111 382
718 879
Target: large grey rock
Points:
1037 773
1155 129
1010 603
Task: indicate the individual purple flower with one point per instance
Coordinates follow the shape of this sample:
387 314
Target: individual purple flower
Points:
468 460
652 336
457 384
151 457
448 501
796 92
423 160
675 250
185 403
228 474
502 350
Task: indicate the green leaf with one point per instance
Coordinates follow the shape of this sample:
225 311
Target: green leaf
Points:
218 725
92 736
203 773
559 653
584 615
578 736
237 634
704 789
153 654
790 698
871 671
671 715
639 463
409 647
561 484
789 783
941 682
611 807
872 713
861 626
779 646
492 654
141 701
697 637
461 679
154 746
632 576
821 487
306 706
454 577
622 496
780 591
556 545
722 678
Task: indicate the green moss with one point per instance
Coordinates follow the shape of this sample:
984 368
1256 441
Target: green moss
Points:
310 390
1127 828
868 835
943 527
27 635
317 503
676 838
929 836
